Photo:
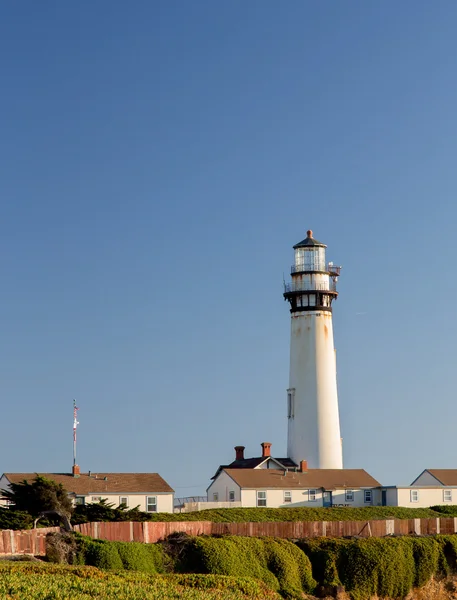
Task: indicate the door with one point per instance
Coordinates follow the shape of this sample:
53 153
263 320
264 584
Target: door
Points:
327 498
384 497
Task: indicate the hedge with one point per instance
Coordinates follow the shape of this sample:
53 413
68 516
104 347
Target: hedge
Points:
385 567
117 556
278 563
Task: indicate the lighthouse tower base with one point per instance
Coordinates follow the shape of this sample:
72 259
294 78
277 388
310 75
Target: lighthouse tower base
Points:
313 419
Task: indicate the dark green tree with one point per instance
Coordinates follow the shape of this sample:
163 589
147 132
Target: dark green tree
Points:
41 498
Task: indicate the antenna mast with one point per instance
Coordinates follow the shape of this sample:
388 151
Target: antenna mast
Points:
75 425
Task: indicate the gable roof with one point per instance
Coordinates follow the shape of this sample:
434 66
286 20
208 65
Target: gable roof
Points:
444 476
328 479
252 463
99 483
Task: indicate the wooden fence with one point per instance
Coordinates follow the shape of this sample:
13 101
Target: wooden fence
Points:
150 532
32 541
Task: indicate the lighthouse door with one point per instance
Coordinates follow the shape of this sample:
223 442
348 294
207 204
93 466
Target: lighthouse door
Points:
327 499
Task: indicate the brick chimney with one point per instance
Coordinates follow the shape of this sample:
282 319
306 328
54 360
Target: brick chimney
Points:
76 471
239 452
303 466
266 449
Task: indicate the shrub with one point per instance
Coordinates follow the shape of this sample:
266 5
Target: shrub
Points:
103 555
426 553
326 559
278 563
383 567
448 555
62 548
147 558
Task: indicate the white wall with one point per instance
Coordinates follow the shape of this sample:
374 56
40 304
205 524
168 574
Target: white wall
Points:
164 500
426 496
275 498
221 486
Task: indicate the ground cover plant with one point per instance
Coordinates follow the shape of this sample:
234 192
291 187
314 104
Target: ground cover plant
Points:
41 581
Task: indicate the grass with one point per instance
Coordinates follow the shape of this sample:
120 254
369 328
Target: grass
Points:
249 515
41 581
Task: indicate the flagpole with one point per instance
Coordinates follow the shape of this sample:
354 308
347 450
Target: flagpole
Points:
75 424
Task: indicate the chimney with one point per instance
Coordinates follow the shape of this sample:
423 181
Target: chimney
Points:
239 452
266 449
303 466
76 471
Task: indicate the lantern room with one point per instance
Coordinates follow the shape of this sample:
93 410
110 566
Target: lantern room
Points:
309 255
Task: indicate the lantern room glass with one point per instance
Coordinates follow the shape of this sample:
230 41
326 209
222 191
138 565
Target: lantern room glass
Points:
310 259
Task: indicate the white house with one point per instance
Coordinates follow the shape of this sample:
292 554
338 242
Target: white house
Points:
431 487
149 491
306 487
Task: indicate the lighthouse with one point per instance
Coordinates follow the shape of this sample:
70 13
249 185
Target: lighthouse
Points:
312 398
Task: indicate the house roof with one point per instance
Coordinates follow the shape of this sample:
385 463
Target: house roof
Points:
328 479
252 463
444 476
99 483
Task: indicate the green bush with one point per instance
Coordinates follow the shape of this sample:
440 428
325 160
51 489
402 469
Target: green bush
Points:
387 567
448 555
147 558
103 555
326 556
278 563
376 566
445 510
428 558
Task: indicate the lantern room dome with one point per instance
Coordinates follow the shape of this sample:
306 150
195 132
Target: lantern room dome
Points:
309 242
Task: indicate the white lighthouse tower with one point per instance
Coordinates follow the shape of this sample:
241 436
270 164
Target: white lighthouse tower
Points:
312 399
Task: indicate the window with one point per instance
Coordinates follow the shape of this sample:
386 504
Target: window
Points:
231 496
151 504
287 497
80 500
414 496
290 403
447 495
215 497
96 498
311 495
350 496
124 500
368 496
261 498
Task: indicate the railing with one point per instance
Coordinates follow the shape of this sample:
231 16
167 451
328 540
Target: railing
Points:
300 268
182 501
306 286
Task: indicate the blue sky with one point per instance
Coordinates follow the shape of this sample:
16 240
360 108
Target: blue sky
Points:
158 162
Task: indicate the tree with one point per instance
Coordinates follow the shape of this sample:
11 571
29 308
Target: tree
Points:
42 497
